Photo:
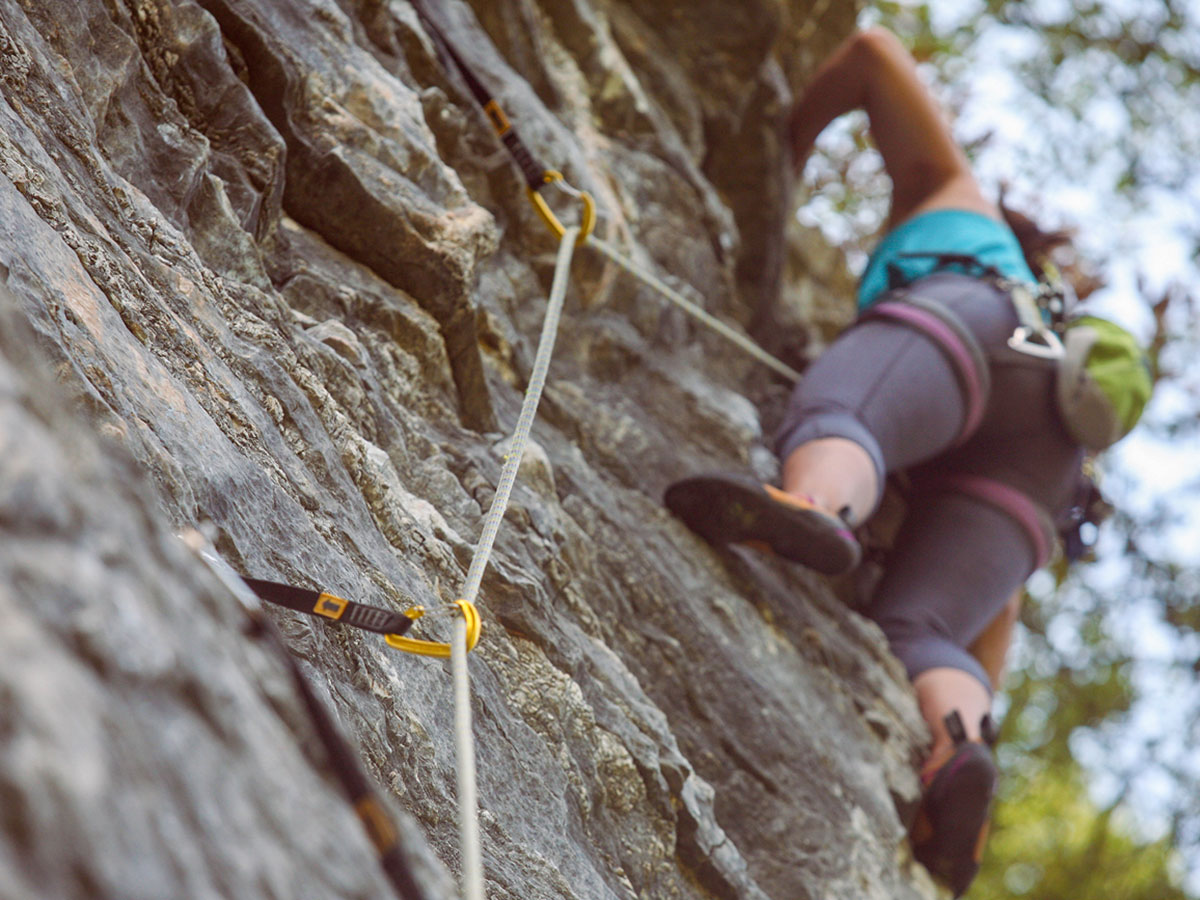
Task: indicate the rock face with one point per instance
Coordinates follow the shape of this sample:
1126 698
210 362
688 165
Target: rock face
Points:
264 267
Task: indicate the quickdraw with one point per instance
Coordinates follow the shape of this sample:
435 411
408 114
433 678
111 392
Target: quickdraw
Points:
535 174
537 177
392 625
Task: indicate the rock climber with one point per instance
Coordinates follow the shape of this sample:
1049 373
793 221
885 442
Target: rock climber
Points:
927 383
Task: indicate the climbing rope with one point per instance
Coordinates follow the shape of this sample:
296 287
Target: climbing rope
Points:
472 874
533 395
464 756
707 319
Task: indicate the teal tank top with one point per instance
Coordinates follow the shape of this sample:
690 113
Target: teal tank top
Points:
940 231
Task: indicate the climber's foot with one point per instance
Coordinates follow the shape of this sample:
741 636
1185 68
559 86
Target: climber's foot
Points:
732 509
952 824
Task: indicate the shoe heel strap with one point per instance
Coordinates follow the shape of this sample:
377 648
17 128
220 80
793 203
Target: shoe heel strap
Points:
955 728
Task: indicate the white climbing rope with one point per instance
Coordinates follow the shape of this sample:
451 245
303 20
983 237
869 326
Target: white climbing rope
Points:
464 749
468 811
472 863
533 394
693 310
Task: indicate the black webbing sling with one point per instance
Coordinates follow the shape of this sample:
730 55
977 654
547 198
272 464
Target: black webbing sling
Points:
532 170
329 606
536 175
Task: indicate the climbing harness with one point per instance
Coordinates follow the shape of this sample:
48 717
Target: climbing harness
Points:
1102 376
1040 308
381 829
950 335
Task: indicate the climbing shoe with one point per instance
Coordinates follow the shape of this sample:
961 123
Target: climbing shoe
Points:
735 509
952 824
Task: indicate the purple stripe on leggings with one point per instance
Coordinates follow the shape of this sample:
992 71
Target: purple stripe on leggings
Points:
945 337
1008 500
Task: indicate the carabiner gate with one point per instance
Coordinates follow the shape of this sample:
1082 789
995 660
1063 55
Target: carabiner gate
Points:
440 649
1022 341
587 218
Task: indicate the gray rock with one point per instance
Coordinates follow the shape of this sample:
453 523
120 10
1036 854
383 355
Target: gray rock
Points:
266 269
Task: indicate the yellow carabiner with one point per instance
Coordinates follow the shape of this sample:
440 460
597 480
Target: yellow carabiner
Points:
439 648
587 219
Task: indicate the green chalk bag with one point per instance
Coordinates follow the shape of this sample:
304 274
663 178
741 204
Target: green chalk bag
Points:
1103 382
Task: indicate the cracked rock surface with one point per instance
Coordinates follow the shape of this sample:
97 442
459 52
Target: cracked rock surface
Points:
263 265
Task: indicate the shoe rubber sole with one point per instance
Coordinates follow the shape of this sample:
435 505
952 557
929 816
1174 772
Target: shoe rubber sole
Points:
956 807
736 509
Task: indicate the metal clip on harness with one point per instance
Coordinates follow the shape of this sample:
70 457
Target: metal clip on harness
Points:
1032 336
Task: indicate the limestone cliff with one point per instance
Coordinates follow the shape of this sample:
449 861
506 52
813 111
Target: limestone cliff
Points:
266 268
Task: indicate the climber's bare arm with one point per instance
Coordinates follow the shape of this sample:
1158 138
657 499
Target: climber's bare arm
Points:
873 71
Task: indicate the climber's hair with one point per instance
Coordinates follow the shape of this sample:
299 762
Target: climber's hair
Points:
1037 244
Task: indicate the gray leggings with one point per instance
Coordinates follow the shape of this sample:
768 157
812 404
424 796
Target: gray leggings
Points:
893 390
